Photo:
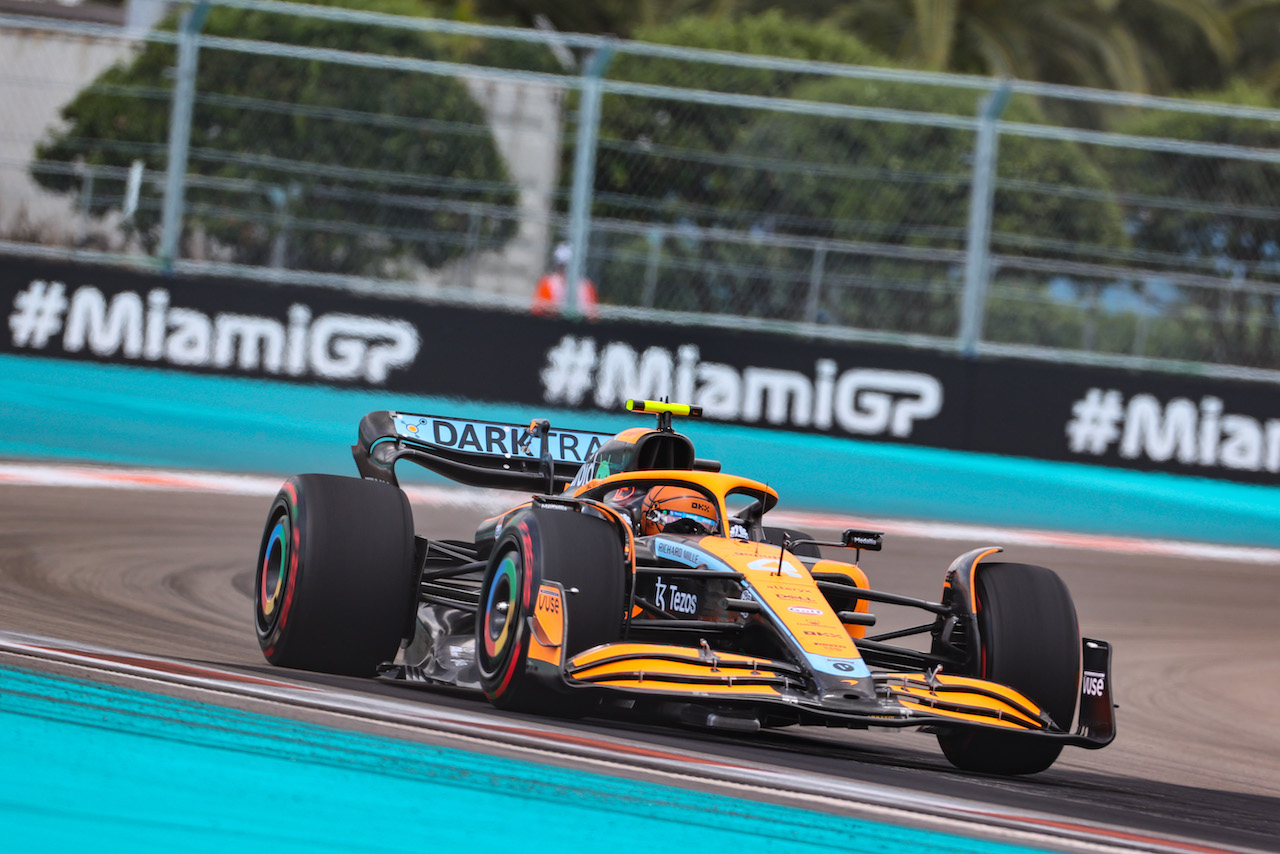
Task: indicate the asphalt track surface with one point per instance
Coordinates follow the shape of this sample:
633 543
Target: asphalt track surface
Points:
1197 654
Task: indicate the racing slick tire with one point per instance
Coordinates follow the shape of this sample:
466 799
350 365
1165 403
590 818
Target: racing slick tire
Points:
1030 641
334 588
781 536
584 554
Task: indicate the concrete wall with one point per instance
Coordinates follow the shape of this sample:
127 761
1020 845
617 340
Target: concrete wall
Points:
42 70
526 122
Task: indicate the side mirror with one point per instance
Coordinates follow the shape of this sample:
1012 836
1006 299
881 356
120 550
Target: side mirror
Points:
872 541
852 538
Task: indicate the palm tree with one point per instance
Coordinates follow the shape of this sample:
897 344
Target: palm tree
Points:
1150 46
1257 22
1133 45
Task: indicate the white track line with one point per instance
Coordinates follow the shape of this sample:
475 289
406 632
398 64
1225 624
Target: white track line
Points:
611 754
105 477
490 501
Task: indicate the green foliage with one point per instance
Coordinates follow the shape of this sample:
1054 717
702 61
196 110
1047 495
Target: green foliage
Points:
670 162
343 168
747 195
1156 46
905 183
667 150
1122 44
1213 215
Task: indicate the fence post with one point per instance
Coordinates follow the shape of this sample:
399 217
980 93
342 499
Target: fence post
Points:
584 170
815 284
973 304
184 91
654 235
86 206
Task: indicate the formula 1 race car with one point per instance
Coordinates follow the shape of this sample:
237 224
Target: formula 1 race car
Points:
641 581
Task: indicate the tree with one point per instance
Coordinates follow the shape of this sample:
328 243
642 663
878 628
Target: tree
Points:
617 17
660 162
314 165
752 206
1158 46
664 153
1215 216
1256 23
1115 44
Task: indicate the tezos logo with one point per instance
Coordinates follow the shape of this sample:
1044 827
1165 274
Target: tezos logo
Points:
680 601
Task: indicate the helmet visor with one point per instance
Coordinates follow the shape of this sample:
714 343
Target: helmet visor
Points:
679 521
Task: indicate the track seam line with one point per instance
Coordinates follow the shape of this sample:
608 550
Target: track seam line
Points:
807 789
493 501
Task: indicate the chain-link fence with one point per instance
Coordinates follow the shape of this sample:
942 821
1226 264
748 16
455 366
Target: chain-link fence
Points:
324 144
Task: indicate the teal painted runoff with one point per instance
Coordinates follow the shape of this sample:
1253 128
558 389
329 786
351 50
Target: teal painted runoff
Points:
89 766
52 409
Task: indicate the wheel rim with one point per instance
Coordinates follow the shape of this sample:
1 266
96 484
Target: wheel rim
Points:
277 552
500 607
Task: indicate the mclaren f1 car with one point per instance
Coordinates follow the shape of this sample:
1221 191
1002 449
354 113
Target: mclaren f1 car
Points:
636 579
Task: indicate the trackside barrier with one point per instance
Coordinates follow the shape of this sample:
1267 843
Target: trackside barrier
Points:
62 410
758 378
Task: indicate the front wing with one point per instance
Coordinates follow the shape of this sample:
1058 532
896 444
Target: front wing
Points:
636 675
665 672
713 678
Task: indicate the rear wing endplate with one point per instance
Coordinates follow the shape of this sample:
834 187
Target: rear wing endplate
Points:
476 453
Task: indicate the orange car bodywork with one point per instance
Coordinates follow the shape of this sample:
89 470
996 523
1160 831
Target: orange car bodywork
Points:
812 612
784 584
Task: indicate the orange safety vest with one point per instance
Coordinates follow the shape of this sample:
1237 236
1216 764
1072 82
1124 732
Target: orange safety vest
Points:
549 296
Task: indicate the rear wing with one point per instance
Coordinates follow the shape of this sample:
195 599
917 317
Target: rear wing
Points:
476 453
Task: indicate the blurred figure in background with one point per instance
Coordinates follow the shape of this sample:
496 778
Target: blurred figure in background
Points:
552 291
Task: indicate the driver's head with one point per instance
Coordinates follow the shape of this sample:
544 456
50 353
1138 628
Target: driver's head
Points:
677 510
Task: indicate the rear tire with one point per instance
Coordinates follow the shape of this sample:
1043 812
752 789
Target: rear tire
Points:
334 588
579 552
1031 643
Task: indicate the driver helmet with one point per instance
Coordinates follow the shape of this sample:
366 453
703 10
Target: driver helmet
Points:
677 510
627 500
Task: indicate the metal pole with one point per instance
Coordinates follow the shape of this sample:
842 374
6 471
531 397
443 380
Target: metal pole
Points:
184 91
584 169
815 284
86 206
651 267
981 199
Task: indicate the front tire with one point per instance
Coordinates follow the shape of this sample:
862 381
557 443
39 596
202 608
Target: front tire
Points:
584 555
1030 641
334 588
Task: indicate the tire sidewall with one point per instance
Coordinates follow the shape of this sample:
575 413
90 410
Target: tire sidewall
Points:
1012 654
336 578
1004 659
501 664
272 607
584 555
